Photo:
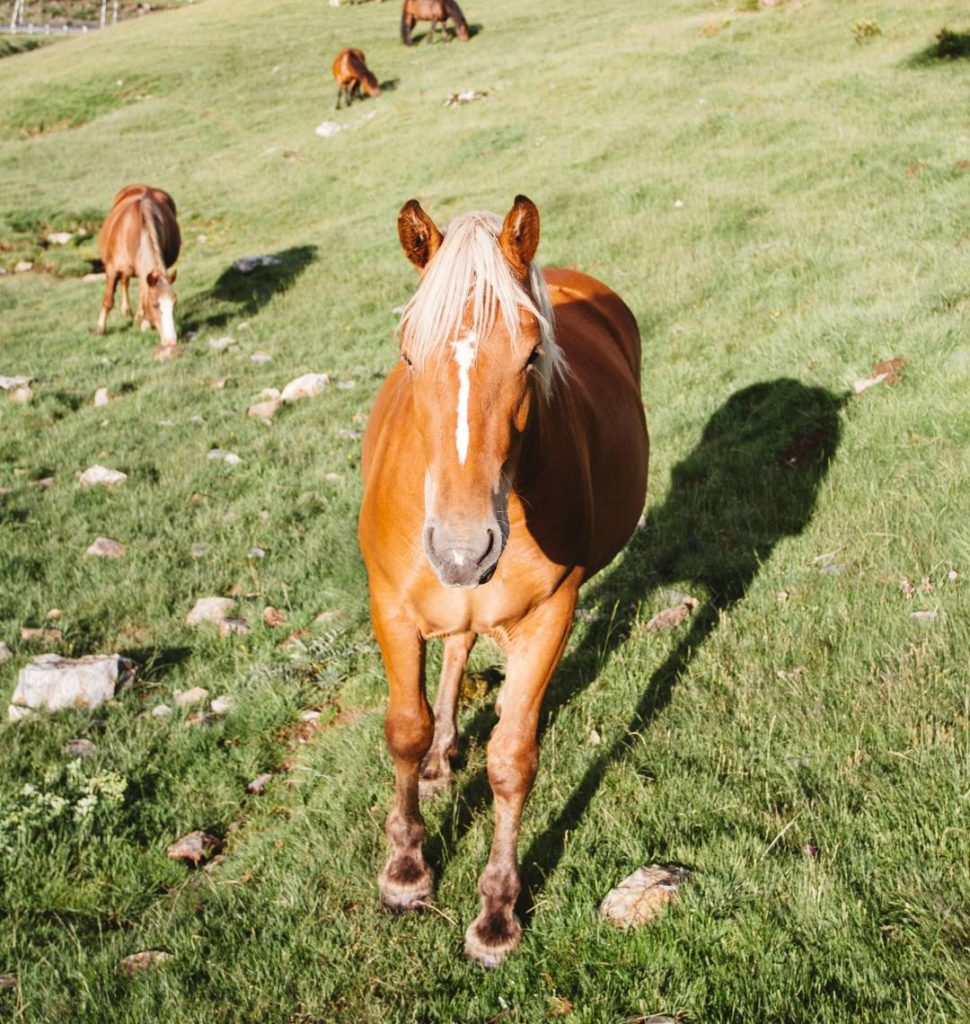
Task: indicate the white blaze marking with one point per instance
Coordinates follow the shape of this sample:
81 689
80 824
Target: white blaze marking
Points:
464 356
167 310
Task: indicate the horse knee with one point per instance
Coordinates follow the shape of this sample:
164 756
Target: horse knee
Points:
512 764
409 733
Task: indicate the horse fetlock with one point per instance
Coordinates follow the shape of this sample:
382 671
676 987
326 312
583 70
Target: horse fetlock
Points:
492 936
435 776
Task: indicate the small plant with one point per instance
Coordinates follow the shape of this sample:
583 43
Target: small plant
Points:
952 44
865 31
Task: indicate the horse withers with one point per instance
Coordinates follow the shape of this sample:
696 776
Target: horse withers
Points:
352 74
505 462
140 238
437 12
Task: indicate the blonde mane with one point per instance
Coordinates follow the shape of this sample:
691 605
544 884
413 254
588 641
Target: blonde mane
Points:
470 266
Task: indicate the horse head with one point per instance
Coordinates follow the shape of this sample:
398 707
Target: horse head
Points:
478 343
159 306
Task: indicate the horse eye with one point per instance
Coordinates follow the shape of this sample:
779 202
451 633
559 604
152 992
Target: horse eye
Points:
533 356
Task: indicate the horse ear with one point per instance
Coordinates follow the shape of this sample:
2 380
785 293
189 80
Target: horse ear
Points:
520 235
152 278
172 274
420 238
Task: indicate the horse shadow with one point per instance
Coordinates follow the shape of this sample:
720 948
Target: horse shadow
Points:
949 46
751 480
238 294
390 85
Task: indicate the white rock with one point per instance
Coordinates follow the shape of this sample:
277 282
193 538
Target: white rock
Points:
640 897
60 237
94 277
221 705
868 382
80 748
221 344
8 383
230 458
23 266
327 128
105 547
52 682
264 410
210 609
5 653
233 625
346 385
261 358
257 552
161 711
247 264
21 394
101 475
186 698
306 386
15 713
101 397
259 783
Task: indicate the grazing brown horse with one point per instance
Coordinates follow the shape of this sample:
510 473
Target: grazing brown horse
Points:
435 11
351 71
140 238
505 462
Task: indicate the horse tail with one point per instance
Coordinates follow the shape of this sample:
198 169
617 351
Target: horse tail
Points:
406 24
454 12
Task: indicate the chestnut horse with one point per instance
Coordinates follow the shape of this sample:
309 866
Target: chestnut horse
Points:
351 71
435 11
505 462
140 237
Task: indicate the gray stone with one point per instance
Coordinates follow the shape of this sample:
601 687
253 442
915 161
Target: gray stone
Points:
642 896
105 547
210 609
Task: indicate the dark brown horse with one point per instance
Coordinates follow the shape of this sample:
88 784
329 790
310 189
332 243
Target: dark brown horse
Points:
351 72
435 11
505 462
140 238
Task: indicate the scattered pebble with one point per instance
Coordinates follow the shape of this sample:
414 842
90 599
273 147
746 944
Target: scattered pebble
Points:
272 617
326 129
44 482
346 385
834 568
187 698
333 478
952 576
678 204
143 961
247 264
210 609
99 276
924 616
9 383
221 344
80 748
261 358
196 847
200 549
310 716
594 738
59 237
22 267
8 980
230 626
349 435
101 397
21 394
219 384
257 552
330 615
640 897
258 785
101 475
161 711
53 614
5 653
221 705
309 385
811 850
457 99
229 458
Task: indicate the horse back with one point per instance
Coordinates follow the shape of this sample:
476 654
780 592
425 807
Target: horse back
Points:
120 236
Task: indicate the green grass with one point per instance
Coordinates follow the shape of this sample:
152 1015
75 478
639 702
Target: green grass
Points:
781 208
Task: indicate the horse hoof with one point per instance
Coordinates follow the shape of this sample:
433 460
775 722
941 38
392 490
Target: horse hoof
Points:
405 887
489 940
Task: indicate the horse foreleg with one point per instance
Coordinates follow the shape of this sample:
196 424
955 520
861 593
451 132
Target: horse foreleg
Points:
125 301
405 881
110 283
436 766
513 757
340 92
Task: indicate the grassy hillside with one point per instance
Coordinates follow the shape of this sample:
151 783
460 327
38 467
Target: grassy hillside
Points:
780 196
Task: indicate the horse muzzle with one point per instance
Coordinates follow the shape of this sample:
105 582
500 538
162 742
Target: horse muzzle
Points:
463 558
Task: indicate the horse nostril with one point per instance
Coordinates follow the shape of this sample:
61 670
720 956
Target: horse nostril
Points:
488 547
